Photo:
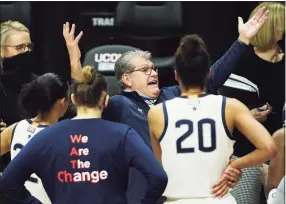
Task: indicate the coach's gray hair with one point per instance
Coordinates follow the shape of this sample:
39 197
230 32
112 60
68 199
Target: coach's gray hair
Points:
124 64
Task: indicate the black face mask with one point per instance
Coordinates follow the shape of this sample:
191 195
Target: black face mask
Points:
17 70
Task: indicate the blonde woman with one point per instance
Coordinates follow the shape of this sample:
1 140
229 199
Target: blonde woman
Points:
264 66
15 70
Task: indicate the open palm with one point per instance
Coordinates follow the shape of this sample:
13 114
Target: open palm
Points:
249 29
72 41
73 49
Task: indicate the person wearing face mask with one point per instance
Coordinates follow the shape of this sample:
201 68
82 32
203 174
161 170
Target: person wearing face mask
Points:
139 83
15 71
264 66
16 64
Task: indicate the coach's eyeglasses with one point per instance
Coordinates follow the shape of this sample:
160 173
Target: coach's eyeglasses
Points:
22 47
146 70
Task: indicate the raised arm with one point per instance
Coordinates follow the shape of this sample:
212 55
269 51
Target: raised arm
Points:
222 68
5 139
141 157
238 115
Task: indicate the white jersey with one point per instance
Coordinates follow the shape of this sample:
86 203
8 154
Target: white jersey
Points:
196 145
22 133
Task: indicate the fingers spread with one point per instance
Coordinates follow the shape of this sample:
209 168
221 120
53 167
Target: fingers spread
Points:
66 28
264 17
71 33
240 20
258 14
78 37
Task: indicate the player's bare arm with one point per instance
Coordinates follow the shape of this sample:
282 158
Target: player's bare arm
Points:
6 139
238 115
156 127
277 164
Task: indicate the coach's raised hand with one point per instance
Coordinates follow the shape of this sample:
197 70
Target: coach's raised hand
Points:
249 29
73 49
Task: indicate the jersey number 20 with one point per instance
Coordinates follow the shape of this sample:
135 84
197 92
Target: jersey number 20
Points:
189 133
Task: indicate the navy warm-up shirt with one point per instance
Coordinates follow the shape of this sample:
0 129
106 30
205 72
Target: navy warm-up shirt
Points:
84 161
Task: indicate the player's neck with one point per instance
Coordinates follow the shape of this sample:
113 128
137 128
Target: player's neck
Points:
48 119
87 113
192 91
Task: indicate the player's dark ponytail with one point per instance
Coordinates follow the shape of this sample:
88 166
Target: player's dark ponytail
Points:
39 96
192 61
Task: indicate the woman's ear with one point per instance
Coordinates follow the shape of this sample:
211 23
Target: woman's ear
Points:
73 99
63 102
126 80
209 74
176 75
106 101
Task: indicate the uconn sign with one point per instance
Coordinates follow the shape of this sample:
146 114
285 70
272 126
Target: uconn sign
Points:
106 57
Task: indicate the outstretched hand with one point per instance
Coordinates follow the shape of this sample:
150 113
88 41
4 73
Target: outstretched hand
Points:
71 41
73 49
249 29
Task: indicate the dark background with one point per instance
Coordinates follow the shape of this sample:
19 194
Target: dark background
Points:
215 22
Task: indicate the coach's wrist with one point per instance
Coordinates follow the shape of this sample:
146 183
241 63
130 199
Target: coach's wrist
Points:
244 40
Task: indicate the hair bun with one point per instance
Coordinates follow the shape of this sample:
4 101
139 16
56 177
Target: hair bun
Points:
191 46
87 74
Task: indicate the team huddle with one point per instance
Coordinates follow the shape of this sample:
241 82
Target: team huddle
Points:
177 149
